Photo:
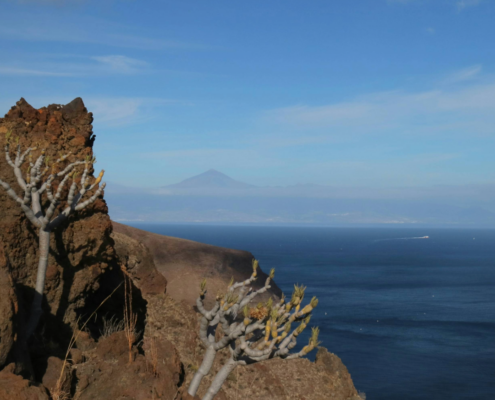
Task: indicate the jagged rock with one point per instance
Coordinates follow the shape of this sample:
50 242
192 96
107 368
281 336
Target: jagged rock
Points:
76 356
109 375
15 387
8 307
84 341
139 264
54 374
80 253
338 379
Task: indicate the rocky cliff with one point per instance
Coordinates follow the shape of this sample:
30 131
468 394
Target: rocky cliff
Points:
87 262
82 250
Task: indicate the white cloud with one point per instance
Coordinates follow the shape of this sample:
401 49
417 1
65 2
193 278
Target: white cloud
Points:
121 64
120 111
464 74
456 109
463 4
74 65
46 27
114 111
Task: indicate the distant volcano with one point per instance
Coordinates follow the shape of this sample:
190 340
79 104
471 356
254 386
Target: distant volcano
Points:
211 179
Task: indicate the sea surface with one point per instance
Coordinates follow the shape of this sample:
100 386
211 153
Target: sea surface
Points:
411 318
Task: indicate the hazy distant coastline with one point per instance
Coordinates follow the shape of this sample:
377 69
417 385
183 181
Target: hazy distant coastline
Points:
213 197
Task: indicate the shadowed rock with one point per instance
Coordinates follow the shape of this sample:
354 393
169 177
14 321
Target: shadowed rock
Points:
8 306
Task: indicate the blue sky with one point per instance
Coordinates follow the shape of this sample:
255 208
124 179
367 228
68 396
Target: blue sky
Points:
354 93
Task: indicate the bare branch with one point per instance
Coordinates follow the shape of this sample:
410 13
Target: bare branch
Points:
92 199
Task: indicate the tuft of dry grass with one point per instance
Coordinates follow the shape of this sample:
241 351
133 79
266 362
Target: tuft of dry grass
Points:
153 357
111 325
130 318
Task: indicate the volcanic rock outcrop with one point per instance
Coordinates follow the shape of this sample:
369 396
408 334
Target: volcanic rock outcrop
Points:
82 250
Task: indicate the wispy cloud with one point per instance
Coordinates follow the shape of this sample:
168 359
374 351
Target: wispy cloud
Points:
42 27
464 74
121 64
463 4
121 111
430 31
72 65
114 111
457 109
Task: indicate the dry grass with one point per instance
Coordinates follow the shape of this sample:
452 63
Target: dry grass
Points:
153 358
111 325
58 392
130 318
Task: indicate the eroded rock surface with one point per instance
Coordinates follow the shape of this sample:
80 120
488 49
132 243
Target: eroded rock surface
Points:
15 387
277 379
139 264
108 374
8 307
80 252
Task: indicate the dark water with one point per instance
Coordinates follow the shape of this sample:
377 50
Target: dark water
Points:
411 318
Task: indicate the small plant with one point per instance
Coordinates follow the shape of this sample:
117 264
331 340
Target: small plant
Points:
252 333
111 325
154 357
130 318
37 179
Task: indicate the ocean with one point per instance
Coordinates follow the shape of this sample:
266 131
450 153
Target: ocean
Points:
411 317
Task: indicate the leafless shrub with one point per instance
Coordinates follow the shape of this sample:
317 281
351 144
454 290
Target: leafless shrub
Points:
111 325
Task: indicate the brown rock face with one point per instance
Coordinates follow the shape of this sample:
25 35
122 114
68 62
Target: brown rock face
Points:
54 379
108 375
81 250
185 263
338 379
14 387
139 263
277 379
8 307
